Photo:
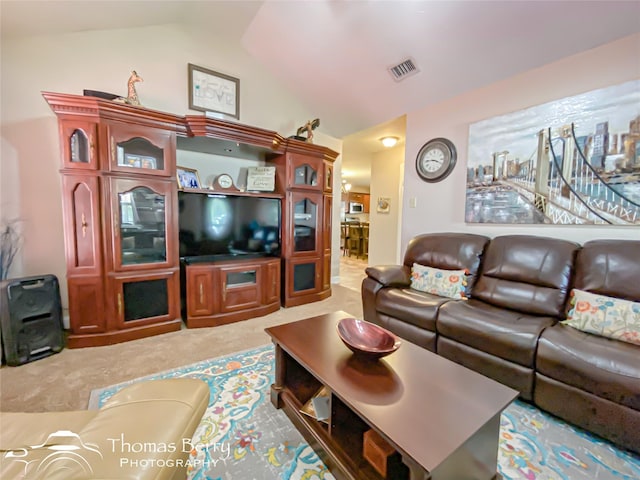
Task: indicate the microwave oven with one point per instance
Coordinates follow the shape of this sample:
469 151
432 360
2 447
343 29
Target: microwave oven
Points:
355 207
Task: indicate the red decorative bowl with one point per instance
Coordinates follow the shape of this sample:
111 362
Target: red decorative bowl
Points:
367 339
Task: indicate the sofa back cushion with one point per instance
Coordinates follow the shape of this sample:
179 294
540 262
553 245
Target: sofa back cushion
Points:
526 273
609 267
447 251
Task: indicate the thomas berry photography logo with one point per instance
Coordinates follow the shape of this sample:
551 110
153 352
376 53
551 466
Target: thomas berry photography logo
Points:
131 454
61 449
65 451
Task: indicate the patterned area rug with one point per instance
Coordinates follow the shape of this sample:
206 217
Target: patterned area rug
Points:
243 437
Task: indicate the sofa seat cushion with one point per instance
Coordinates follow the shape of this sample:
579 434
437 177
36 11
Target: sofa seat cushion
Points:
602 366
507 334
414 307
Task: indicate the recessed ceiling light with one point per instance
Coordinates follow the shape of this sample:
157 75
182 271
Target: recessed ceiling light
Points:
389 141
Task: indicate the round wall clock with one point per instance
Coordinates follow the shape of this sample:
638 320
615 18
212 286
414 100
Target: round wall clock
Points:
436 160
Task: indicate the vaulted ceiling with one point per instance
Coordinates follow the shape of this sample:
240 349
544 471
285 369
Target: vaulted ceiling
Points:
335 54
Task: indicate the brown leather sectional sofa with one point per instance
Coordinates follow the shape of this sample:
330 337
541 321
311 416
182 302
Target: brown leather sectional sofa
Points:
508 329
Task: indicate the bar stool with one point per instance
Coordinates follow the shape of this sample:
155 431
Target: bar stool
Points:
365 240
355 240
344 238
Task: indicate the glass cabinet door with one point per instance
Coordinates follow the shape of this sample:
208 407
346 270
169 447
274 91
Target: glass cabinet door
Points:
79 145
305 175
142 226
305 222
143 150
139 153
141 215
305 172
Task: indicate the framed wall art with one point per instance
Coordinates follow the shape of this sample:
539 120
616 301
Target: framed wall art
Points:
383 205
211 91
572 161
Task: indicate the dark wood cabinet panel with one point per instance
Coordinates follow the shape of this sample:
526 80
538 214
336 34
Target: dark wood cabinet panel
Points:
327 218
81 213
200 285
121 220
272 282
86 304
326 272
230 291
328 176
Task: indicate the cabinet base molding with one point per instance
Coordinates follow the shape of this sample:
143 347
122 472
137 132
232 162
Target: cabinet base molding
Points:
118 336
225 318
310 298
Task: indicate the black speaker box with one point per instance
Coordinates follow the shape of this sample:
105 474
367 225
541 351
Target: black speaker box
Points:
30 318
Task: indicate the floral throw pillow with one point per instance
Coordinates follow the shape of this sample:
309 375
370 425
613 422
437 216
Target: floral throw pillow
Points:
446 283
605 316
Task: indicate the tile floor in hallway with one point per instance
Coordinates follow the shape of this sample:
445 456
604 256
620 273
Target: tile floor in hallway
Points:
352 272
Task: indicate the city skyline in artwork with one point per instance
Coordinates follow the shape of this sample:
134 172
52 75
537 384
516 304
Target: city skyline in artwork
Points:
574 161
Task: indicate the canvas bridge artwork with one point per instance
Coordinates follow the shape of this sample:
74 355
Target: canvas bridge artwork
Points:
574 161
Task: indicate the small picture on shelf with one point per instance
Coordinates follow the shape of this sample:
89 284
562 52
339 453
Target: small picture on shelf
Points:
318 406
136 161
148 162
187 178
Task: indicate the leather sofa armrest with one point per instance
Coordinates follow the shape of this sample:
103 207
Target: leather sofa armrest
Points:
390 275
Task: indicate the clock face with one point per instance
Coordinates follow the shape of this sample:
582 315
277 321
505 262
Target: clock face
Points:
436 160
225 181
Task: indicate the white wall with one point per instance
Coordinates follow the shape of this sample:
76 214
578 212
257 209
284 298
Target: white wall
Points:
102 60
386 180
440 206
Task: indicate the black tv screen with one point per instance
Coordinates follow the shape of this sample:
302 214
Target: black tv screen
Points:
215 226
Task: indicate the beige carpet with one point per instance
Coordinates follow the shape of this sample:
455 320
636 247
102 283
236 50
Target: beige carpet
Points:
64 381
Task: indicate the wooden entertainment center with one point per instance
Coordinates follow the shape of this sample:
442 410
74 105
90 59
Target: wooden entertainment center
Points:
120 213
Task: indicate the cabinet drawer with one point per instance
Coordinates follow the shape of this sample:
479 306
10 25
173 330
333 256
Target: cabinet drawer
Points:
240 288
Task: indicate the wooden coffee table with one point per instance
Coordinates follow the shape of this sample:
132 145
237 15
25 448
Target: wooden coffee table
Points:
442 419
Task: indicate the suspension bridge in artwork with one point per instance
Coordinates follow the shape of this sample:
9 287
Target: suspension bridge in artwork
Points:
558 184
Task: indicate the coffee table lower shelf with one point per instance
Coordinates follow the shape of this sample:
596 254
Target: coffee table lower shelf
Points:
340 444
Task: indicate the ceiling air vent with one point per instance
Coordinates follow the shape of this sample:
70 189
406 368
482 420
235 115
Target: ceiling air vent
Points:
404 69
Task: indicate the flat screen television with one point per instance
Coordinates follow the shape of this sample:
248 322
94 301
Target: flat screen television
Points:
215 226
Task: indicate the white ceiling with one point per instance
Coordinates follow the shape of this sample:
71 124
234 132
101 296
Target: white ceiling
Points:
335 54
